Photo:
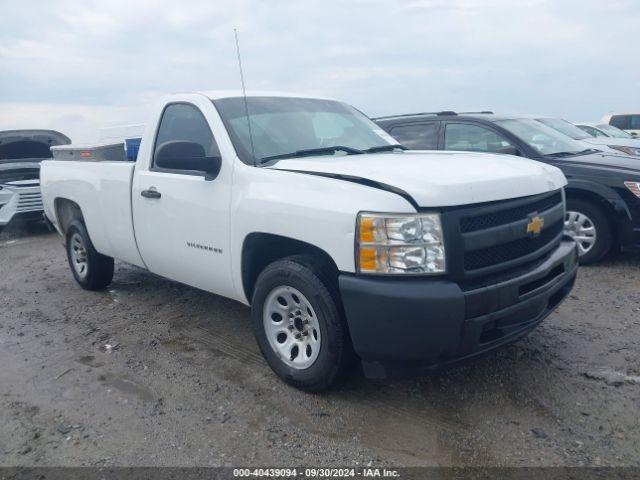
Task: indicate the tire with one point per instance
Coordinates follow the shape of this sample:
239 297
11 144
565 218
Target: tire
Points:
299 277
92 270
587 214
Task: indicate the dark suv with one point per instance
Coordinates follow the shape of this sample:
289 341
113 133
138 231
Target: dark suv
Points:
603 194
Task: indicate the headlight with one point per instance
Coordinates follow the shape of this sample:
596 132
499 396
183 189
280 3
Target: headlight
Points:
634 187
627 150
400 244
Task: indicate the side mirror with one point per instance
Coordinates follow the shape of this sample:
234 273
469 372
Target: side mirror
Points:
509 150
184 155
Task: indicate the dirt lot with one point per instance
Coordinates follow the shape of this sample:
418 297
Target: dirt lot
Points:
185 384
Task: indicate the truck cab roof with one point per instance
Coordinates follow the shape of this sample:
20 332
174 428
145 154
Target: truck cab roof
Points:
220 94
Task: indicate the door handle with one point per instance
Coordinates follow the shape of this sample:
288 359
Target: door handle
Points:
151 193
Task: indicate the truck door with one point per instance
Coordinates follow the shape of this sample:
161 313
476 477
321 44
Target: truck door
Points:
181 215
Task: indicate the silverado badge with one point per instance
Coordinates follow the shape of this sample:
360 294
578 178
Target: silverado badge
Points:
534 227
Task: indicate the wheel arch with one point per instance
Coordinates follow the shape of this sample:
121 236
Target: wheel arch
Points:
605 198
261 249
601 195
66 211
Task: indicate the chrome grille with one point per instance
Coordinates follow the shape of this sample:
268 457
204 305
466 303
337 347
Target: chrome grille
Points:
29 202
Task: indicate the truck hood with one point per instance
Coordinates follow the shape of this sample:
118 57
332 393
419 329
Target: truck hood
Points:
438 179
28 145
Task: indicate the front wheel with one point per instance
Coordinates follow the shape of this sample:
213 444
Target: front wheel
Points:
92 270
588 225
298 324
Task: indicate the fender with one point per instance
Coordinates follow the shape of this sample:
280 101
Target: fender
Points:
603 191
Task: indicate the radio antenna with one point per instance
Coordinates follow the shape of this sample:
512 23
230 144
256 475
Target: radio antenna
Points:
244 94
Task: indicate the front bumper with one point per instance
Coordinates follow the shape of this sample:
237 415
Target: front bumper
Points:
627 221
631 240
408 325
629 233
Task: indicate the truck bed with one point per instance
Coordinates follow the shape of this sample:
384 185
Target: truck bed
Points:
103 190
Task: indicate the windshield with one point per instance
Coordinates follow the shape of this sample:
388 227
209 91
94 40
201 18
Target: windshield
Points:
569 129
282 126
543 139
614 131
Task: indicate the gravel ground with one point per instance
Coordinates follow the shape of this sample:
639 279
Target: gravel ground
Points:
185 385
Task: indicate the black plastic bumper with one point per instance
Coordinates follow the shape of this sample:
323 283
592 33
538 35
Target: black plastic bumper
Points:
408 325
28 216
627 222
630 238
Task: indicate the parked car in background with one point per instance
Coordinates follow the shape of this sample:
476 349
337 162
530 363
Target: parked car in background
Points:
21 152
629 122
606 130
603 194
628 146
309 212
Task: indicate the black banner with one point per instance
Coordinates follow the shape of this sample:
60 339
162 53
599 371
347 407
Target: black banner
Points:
413 473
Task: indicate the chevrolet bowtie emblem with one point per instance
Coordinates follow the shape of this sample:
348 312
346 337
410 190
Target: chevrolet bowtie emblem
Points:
534 227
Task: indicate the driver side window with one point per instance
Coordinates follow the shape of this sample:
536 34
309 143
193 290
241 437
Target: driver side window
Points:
474 138
186 131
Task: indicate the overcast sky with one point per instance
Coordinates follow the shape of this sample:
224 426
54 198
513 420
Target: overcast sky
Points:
78 65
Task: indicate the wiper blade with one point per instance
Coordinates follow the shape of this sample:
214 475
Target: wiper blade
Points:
313 151
558 154
588 150
386 148
571 154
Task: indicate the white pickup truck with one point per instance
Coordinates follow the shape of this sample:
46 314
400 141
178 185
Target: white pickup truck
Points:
340 240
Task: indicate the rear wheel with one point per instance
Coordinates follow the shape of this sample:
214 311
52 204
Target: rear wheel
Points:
588 225
92 270
298 324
